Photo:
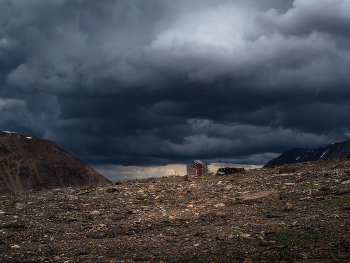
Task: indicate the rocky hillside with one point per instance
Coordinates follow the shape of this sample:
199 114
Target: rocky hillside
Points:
294 213
30 163
300 155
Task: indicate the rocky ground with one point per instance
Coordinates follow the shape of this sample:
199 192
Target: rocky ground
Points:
261 216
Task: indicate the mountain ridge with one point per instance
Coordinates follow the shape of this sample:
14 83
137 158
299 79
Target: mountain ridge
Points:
30 163
300 155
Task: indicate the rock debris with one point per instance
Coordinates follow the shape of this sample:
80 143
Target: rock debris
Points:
260 216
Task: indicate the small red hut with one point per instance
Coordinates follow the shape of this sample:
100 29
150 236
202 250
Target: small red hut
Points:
197 168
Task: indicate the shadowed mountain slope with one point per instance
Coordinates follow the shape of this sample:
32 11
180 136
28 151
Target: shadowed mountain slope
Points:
30 163
300 155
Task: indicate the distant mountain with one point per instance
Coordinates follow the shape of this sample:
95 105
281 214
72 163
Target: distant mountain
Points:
300 155
30 163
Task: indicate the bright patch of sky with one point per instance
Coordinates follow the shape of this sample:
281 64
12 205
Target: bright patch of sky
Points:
124 173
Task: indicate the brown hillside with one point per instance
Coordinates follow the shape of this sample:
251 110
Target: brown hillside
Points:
30 163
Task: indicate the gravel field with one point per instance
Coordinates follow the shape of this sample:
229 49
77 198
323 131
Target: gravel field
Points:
265 215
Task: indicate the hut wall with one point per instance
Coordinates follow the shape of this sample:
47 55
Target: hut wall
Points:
195 169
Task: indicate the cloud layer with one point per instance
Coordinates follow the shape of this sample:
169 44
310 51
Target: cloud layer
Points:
161 82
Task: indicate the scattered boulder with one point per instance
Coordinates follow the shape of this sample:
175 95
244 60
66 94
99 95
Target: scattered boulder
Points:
95 213
221 205
346 182
187 178
19 206
343 191
258 197
288 207
286 170
112 190
273 216
174 219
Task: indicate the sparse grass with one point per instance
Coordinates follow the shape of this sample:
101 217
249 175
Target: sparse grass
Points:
299 237
14 227
338 201
169 180
161 179
341 204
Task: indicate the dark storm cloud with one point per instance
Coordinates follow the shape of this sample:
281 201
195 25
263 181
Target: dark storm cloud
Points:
323 16
153 83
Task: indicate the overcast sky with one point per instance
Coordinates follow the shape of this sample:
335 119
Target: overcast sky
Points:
152 83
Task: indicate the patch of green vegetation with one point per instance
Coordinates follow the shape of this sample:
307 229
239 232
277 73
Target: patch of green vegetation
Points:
169 180
340 203
161 179
14 227
5 218
298 237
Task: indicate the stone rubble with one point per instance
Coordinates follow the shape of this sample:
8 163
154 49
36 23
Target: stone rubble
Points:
261 216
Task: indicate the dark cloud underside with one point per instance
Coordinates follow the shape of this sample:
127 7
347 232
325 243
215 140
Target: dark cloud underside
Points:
153 83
